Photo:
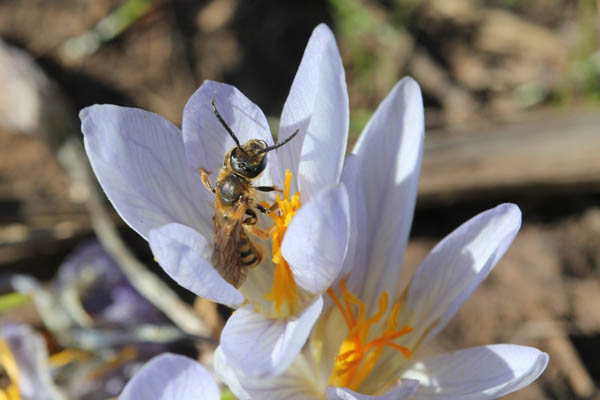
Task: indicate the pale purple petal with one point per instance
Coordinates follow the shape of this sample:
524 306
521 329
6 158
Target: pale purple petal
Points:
286 386
457 265
316 240
402 390
29 351
171 377
183 254
206 140
390 151
478 373
229 376
318 107
264 347
139 159
355 260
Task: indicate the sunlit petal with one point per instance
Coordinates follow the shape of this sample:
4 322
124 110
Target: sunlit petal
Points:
261 346
183 253
316 240
457 265
139 159
318 107
171 377
478 373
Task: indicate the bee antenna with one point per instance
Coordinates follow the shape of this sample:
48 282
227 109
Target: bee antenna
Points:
227 128
277 145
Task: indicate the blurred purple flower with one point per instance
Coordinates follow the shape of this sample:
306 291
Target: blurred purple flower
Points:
362 344
171 377
148 169
89 277
24 372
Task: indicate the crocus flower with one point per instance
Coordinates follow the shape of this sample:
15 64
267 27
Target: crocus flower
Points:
171 377
24 373
149 171
363 344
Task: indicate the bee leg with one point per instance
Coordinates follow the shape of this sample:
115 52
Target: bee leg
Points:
251 220
273 188
261 233
264 210
205 179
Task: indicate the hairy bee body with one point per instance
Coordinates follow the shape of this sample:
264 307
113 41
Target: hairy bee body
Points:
235 217
233 251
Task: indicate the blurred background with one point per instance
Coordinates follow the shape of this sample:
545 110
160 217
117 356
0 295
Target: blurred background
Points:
512 96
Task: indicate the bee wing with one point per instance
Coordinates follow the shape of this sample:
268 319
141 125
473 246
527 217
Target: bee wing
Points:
228 231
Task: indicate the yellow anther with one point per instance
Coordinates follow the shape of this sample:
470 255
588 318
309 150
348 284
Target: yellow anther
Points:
283 293
358 355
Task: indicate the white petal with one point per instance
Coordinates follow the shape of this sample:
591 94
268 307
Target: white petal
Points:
171 377
390 151
404 389
228 375
457 265
183 254
265 347
285 386
316 240
357 249
318 107
478 373
139 160
206 140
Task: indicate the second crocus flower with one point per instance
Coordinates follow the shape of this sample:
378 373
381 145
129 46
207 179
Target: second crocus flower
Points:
363 345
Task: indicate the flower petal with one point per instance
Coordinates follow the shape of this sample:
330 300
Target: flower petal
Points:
357 250
228 375
206 140
30 355
318 107
139 160
171 377
183 253
478 373
289 386
262 347
456 266
390 151
404 389
316 240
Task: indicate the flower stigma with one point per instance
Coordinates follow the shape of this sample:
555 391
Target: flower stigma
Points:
358 355
283 291
9 374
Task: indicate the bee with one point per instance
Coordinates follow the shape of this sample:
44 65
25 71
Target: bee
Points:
235 196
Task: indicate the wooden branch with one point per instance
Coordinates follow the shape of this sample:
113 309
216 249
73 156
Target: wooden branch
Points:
552 155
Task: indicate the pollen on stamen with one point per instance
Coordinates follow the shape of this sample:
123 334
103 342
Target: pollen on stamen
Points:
358 355
284 293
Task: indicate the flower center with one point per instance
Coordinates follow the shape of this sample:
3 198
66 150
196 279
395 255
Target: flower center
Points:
9 374
283 292
358 355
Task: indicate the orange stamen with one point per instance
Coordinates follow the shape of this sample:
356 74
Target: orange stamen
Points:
358 355
283 291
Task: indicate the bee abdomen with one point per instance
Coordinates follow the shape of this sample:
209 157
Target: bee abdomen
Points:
249 255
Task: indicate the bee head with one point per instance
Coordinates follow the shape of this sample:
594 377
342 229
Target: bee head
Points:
249 159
